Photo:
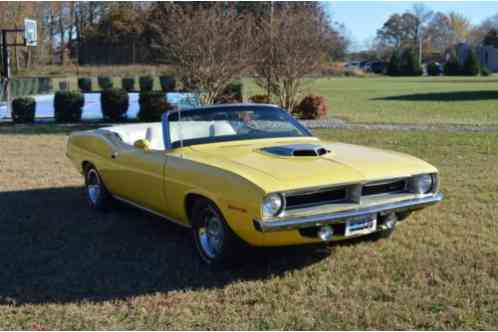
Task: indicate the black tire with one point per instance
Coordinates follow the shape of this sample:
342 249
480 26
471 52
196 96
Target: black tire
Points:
97 194
206 216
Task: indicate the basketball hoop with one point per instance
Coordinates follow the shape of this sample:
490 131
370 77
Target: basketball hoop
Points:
30 35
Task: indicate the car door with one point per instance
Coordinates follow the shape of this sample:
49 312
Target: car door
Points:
138 177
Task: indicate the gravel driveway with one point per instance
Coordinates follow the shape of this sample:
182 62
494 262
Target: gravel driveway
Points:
340 124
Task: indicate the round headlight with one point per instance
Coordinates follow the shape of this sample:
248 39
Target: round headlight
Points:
423 184
272 205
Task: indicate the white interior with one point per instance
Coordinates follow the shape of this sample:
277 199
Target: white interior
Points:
153 132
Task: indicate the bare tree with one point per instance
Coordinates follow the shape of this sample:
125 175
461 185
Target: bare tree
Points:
208 45
290 46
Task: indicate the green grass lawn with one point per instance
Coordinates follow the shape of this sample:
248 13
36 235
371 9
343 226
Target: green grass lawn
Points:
65 266
421 100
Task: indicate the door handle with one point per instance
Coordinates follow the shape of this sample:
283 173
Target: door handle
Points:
114 155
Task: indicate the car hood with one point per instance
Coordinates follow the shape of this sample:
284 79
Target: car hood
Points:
343 163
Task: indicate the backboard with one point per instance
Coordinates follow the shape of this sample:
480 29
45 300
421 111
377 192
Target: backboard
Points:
30 32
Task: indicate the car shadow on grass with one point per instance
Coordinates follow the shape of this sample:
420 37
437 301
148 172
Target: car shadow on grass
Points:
55 249
445 96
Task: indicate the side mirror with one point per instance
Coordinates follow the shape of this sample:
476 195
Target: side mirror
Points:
142 144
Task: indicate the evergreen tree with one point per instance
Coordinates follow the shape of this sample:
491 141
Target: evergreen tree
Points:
393 68
409 64
471 64
452 68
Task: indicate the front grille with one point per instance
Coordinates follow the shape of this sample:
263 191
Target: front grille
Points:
383 188
297 201
345 194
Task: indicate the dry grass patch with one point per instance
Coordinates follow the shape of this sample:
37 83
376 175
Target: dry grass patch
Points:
65 266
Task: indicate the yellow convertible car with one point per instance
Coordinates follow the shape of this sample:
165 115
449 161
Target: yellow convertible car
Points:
250 174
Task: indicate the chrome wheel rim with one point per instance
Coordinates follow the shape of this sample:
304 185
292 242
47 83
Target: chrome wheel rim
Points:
93 186
211 234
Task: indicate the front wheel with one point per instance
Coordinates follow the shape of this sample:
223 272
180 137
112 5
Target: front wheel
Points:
215 241
97 195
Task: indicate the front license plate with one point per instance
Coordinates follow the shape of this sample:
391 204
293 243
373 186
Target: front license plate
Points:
361 225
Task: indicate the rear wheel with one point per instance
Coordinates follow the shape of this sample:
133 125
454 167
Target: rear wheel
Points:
97 195
214 240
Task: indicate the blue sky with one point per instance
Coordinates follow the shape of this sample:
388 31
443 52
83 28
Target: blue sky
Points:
363 18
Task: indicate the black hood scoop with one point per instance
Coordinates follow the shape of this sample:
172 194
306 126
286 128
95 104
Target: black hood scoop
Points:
296 150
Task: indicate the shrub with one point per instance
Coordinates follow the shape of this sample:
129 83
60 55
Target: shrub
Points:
85 84
105 82
231 94
311 107
485 71
393 67
146 83
260 99
68 106
128 83
471 64
234 90
152 105
23 110
433 69
114 103
226 99
332 69
168 83
355 72
452 68
409 64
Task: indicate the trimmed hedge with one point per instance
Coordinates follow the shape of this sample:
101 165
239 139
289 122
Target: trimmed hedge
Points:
311 107
260 99
114 103
128 83
234 90
105 82
152 105
68 106
146 83
23 110
168 83
85 84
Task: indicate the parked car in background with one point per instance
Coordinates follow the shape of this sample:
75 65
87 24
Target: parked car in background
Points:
352 65
250 174
365 66
433 69
377 67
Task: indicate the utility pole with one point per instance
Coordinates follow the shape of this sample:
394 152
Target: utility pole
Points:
420 39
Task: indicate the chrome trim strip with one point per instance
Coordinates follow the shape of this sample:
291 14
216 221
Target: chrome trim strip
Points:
331 218
124 200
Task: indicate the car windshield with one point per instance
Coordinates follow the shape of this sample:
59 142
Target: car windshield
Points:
231 123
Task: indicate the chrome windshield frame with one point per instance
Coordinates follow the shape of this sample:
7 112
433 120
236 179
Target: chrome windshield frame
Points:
229 107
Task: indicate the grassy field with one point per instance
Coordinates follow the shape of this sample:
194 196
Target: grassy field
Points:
65 266
421 100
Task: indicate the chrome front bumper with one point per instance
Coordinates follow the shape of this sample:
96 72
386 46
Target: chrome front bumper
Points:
338 217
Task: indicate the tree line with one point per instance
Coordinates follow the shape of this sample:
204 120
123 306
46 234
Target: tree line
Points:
430 35
209 44
116 32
